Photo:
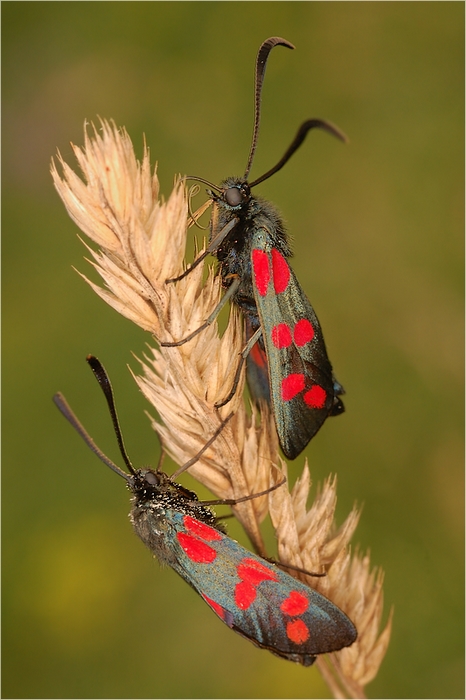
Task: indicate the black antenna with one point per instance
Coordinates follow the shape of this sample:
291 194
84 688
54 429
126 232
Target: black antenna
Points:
261 63
63 406
105 384
205 182
297 141
102 377
66 410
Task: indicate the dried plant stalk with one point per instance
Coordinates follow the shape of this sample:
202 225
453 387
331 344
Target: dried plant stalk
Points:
308 539
141 244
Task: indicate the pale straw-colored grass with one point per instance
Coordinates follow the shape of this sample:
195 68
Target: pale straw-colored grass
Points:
140 243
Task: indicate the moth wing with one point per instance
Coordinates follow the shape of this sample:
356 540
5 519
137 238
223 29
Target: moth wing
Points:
303 389
261 602
257 367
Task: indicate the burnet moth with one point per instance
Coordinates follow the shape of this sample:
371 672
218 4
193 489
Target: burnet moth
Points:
249 594
287 361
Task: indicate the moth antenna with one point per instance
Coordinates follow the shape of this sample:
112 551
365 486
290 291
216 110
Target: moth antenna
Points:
104 381
197 457
261 63
205 182
298 140
71 417
193 191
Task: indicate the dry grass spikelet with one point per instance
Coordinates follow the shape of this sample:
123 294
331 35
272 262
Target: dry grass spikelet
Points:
309 540
140 244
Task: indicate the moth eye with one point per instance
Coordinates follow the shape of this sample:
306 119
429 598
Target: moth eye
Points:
233 196
151 478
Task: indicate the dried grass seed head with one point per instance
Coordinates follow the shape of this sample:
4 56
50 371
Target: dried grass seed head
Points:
141 242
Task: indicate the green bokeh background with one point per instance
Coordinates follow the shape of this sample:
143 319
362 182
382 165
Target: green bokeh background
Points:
378 239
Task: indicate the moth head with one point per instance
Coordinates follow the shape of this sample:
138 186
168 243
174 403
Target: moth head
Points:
237 195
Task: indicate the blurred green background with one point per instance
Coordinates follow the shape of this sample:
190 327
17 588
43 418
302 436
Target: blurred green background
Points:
378 238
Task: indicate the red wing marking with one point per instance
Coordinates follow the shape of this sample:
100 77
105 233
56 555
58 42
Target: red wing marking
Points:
281 271
315 397
251 573
292 385
205 532
195 549
303 332
260 263
281 335
297 631
258 356
295 604
215 606
245 594
223 614
254 572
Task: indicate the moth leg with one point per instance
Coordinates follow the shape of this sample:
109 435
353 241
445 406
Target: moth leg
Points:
231 291
247 349
211 248
250 497
197 457
294 568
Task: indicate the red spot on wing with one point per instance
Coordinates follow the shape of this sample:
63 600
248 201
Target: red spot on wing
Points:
297 631
245 594
215 606
205 532
315 397
251 573
261 266
195 549
292 385
295 604
303 332
281 335
254 572
281 271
